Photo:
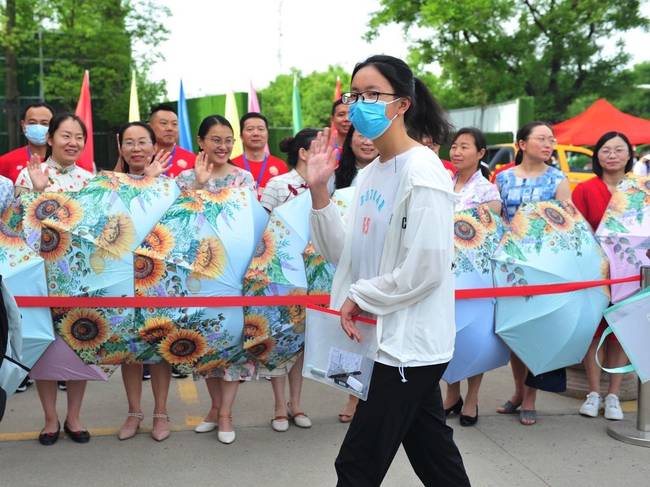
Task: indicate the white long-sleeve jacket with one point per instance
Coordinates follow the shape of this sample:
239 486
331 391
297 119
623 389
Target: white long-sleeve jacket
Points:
413 295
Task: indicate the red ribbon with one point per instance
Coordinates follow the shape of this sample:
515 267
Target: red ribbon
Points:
322 299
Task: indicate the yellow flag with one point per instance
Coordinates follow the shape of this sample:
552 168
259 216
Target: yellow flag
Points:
233 117
134 106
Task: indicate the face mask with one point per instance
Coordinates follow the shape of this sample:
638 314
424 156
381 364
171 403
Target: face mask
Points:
370 118
36 133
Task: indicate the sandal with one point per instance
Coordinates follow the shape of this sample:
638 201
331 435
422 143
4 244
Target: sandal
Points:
528 417
508 408
345 418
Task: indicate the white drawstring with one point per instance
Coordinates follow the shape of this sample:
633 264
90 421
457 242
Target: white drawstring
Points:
401 372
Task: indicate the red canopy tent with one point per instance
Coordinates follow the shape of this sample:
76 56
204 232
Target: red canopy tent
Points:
601 117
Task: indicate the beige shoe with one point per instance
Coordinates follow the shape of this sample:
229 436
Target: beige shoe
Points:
164 434
205 427
299 418
280 424
226 437
126 432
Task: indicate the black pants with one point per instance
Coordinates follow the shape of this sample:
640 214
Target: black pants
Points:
408 413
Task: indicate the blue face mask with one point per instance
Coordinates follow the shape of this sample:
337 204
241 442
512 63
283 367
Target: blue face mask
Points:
36 133
370 118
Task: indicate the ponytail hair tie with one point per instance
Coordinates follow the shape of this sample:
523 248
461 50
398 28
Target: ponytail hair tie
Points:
484 164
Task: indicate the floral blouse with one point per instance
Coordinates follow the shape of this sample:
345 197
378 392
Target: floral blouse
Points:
515 190
70 178
476 191
237 178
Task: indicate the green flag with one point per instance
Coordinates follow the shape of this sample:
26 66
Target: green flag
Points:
295 106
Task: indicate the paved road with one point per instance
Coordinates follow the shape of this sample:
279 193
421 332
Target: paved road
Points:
563 449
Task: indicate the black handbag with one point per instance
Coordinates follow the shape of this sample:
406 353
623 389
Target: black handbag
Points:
553 381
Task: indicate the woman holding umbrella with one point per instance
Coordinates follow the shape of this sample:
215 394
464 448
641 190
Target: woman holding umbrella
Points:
138 157
401 219
471 182
613 158
66 138
530 180
213 172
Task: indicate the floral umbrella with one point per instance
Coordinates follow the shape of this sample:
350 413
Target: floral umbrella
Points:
23 273
477 233
549 242
200 247
275 334
624 233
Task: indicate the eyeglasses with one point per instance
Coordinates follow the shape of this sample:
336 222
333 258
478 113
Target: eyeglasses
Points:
220 141
542 140
366 97
619 151
131 144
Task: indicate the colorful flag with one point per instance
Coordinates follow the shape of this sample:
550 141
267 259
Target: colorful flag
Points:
85 112
134 105
337 89
184 133
232 115
296 111
337 96
254 106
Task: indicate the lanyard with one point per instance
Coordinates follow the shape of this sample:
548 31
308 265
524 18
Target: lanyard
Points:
262 170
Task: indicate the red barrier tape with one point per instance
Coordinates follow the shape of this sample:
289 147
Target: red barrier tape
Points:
323 299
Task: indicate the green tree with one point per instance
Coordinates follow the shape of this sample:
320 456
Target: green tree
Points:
316 92
495 50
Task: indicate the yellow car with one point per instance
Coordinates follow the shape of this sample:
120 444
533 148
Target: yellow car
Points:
572 160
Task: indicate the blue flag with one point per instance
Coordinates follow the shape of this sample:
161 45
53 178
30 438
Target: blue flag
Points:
184 137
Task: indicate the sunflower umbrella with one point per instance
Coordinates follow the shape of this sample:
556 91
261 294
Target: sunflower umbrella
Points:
87 244
549 242
477 233
23 273
624 233
275 334
200 247
33 209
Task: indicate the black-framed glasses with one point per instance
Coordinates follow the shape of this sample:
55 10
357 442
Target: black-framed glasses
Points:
352 97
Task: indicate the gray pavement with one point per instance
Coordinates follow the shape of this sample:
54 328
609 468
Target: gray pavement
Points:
563 449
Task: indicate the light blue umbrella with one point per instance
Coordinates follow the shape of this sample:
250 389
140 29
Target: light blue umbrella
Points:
23 274
549 242
477 233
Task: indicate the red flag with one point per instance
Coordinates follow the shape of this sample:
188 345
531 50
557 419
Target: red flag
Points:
85 112
337 96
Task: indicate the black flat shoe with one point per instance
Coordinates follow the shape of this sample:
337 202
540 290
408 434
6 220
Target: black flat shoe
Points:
456 408
77 436
48 439
469 420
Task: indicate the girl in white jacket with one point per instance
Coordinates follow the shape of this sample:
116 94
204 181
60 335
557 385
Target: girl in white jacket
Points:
394 257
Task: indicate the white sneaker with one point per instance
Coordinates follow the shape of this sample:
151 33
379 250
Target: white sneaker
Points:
591 406
613 409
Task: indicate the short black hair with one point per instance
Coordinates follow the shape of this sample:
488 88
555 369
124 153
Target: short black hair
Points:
162 107
37 104
252 115
595 162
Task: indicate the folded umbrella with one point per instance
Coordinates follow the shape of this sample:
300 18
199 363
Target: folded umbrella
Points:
549 242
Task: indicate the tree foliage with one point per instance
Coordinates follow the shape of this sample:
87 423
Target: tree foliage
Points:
316 92
495 50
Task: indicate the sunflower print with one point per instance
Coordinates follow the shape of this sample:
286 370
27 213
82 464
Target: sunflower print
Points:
9 238
140 182
297 313
264 251
118 235
260 347
644 184
210 258
183 347
519 224
617 203
468 232
192 203
158 242
67 215
107 182
148 272
255 325
117 358
84 329
486 218
156 328
256 281
219 197
207 367
97 262
54 244
555 216
43 207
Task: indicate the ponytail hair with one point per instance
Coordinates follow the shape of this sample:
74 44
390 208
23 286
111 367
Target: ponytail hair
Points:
523 133
347 170
292 145
425 116
480 143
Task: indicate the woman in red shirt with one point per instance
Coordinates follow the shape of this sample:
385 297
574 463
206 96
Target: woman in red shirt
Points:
612 159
